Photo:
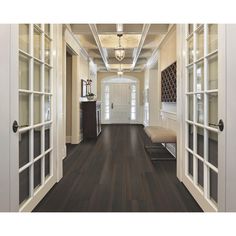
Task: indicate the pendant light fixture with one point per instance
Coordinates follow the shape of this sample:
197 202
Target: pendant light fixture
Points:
119 51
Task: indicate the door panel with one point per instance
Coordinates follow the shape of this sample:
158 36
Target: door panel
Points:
5 35
36 152
119 100
202 100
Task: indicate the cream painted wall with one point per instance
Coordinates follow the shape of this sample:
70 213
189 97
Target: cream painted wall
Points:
81 70
168 50
162 114
167 56
151 97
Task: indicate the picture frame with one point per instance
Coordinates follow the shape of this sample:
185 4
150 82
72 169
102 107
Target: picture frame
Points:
83 88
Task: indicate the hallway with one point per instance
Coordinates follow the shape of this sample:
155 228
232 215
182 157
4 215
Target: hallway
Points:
114 174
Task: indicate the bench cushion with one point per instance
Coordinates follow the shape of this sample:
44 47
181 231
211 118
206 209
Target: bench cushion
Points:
160 134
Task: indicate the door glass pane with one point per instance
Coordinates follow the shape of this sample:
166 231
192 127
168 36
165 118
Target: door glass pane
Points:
190 136
23 72
47 164
47 29
37 76
200 141
190 50
47 80
200 173
212 108
47 105
200 108
37 141
37 173
47 50
190 107
24 185
190 164
37 109
213 72
212 37
200 43
24 37
213 148
47 137
37 44
190 79
23 148
200 76
24 109
213 185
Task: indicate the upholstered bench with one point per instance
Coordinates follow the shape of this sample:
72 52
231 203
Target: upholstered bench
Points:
159 135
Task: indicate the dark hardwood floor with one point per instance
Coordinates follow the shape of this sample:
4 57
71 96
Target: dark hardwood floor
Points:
115 174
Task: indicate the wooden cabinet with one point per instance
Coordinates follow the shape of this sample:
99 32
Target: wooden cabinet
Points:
91 119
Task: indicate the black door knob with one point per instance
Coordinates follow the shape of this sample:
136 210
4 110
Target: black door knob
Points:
220 125
15 126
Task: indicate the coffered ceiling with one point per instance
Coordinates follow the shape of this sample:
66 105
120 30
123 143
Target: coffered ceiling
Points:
138 40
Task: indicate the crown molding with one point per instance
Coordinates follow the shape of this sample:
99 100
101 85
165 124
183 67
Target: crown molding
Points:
141 43
94 31
83 52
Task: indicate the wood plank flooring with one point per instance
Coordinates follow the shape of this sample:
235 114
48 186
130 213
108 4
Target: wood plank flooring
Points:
115 174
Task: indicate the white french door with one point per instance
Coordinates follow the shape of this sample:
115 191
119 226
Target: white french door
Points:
119 103
36 114
202 116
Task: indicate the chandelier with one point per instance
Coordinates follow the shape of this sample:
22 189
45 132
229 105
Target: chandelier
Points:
119 51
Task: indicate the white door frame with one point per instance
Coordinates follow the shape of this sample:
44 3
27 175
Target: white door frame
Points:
230 85
132 80
9 112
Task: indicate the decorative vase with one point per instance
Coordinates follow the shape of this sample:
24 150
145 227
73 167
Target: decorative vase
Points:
90 97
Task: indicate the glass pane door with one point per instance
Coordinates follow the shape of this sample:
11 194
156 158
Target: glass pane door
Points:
35 110
201 164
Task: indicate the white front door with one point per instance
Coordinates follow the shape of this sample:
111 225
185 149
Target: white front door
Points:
205 98
36 166
119 103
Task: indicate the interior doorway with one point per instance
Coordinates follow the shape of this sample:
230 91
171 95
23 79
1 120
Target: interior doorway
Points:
68 96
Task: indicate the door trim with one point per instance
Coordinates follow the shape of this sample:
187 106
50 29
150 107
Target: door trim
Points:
107 80
222 111
14 114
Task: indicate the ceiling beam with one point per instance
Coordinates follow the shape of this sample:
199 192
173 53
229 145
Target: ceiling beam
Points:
97 40
141 43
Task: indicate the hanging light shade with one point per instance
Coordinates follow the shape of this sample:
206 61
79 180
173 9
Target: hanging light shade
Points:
119 51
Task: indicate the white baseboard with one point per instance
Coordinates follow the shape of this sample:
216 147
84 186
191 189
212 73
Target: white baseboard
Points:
64 152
